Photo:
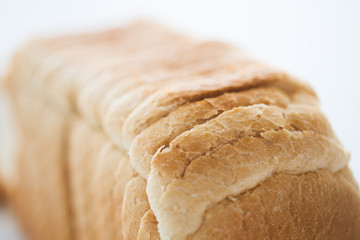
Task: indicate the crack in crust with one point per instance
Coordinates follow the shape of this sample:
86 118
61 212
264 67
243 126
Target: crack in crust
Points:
192 114
294 186
165 101
274 128
274 187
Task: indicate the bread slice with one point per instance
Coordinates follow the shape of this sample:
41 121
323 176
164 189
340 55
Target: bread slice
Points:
143 133
2 191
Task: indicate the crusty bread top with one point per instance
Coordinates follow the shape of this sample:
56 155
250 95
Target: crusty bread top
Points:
201 120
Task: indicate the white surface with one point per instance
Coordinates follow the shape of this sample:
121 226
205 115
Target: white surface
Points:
318 41
8 228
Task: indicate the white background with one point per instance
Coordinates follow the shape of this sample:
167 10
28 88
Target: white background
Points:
318 41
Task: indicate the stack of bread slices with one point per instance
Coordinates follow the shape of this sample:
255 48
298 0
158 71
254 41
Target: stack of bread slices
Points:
142 133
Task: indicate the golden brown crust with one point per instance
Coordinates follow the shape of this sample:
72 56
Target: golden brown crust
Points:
84 149
116 105
134 207
123 174
290 202
314 205
162 132
148 227
348 176
108 187
227 163
209 133
246 75
2 192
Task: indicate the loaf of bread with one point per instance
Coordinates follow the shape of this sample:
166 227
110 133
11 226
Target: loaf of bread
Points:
142 133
